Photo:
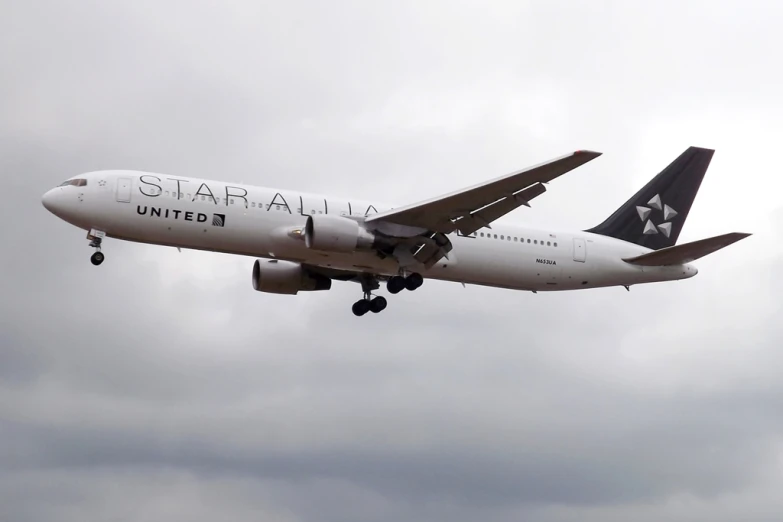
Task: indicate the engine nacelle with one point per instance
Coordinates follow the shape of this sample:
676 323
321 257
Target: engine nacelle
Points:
339 234
285 277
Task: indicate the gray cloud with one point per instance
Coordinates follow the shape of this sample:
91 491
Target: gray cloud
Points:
161 385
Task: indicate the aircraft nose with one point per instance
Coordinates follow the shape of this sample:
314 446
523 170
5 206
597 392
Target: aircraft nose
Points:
49 200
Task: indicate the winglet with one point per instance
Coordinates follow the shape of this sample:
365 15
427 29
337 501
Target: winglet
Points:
687 252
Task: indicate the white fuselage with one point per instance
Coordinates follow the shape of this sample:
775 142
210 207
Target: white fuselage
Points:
261 222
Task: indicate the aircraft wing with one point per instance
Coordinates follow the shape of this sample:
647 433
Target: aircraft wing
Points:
472 208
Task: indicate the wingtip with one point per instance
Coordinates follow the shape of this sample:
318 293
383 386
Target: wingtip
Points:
584 152
733 237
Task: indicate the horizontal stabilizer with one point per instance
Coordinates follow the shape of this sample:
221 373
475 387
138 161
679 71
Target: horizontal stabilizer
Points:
680 254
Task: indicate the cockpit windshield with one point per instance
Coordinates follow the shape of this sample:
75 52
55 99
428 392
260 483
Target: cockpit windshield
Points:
75 183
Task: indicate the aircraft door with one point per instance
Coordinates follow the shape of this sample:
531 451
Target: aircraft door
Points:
580 250
124 190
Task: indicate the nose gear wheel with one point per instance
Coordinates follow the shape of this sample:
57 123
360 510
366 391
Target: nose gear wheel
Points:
96 238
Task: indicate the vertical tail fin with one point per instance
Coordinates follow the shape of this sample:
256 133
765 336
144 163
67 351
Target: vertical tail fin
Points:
655 215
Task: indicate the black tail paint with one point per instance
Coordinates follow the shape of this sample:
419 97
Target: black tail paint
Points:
654 216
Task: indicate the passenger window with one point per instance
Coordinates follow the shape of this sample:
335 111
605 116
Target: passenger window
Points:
548 244
501 236
253 204
555 245
535 241
509 238
232 201
167 192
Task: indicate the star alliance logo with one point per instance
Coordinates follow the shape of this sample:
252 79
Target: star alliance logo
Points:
218 220
668 213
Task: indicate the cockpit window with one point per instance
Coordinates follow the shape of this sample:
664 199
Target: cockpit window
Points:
75 183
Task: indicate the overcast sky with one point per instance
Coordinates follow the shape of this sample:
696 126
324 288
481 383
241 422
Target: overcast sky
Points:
160 386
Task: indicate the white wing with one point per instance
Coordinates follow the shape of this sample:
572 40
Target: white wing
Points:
469 209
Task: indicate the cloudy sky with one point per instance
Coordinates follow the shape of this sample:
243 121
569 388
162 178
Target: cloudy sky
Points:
161 386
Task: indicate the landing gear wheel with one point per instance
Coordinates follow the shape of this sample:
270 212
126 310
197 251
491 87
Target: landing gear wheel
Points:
378 304
96 237
361 307
413 281
395 285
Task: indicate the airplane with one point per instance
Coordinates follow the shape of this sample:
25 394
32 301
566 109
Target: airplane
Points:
304 241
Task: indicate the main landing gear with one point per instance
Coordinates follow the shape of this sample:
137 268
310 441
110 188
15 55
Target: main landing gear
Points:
397 284
376 304
369 304
97 238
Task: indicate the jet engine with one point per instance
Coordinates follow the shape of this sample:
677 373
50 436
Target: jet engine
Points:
340 234
284 277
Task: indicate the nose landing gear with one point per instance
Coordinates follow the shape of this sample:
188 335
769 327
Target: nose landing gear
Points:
96 237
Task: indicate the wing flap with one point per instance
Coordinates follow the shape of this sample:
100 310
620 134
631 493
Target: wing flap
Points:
486 215
432 249
485 202
685 253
